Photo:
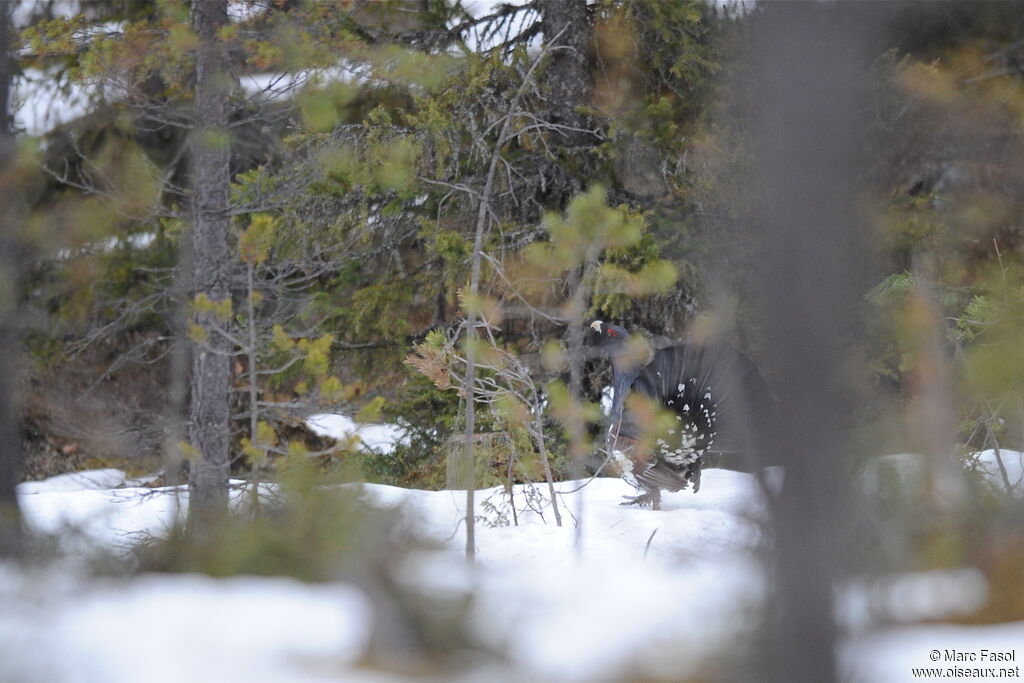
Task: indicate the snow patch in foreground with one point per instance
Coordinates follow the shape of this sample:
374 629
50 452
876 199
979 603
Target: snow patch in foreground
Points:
186 628
615 620
890 656
633 590
911 597
647 594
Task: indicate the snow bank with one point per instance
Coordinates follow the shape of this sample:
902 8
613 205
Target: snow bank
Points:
75 481
110 519
722 518
1013 463
85 517
909 472
380 438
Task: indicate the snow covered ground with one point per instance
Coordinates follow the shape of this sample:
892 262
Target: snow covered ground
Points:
1010 463
638 593
380 438
176 628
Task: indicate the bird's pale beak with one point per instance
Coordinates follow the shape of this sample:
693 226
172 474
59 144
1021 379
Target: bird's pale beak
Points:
596 326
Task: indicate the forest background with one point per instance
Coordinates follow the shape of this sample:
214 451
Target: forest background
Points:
360 137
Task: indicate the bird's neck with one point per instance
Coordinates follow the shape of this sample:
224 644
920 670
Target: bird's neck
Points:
629 358
621 381
627 364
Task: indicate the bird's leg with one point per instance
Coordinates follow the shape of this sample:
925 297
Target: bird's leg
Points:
693 474
652 498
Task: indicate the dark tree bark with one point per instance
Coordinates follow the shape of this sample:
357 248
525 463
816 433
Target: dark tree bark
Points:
10 434
568 79
810 118
210 388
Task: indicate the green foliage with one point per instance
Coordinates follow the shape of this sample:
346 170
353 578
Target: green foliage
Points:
371 410
281 340
994 322
589 227
256 451
630 267
979 314
317 354
394 166
314 533
428 416
221 310
325 108
892 289
659 50
564 409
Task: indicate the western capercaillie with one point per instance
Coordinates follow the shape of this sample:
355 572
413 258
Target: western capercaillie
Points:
707 388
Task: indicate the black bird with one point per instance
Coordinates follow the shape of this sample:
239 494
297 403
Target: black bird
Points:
703 386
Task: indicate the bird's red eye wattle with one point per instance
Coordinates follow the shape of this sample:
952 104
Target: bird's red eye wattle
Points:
611 333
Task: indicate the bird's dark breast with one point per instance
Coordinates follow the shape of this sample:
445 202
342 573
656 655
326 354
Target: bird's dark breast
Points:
682 381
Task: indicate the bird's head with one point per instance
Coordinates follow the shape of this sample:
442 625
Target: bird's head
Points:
628 352
605 334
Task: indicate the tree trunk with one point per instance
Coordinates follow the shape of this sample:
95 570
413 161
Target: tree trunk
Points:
581 285
567 27
809 114
10 434
210 388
